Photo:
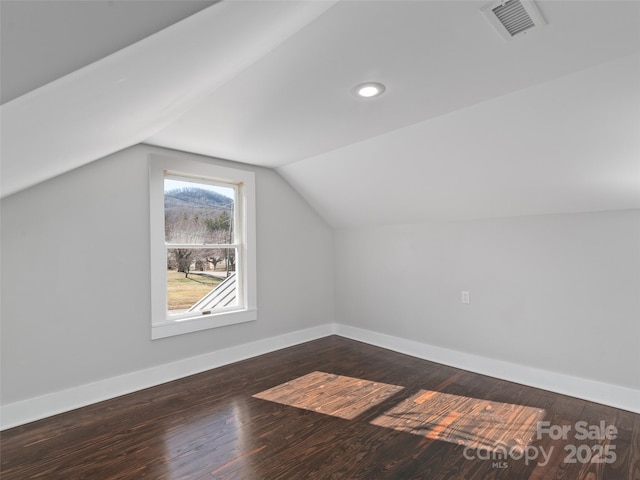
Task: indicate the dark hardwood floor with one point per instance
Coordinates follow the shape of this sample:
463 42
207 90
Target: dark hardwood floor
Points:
406 418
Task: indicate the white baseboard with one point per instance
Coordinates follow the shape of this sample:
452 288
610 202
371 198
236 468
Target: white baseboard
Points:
25 411
607 394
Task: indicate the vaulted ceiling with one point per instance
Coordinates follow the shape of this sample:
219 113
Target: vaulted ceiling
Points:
470 126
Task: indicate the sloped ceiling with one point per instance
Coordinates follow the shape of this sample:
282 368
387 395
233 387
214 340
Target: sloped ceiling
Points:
470 126
44 40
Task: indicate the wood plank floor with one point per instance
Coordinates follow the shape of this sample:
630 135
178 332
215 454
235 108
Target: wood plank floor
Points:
213 426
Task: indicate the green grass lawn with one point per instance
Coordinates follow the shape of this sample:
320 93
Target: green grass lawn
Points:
183 292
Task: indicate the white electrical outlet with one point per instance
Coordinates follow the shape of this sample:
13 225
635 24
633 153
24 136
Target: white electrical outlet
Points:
465 296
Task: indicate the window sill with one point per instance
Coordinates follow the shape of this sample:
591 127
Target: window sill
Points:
204 322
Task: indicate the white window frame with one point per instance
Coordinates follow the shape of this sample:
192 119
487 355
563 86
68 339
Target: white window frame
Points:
162 324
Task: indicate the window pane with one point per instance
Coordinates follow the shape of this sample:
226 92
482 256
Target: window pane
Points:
201 279
198 213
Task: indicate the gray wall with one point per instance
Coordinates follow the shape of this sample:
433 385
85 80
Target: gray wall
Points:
75 276
559 293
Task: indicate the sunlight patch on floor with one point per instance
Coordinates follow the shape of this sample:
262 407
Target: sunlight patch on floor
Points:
468 421
335 395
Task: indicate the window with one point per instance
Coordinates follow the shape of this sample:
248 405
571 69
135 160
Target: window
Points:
203 266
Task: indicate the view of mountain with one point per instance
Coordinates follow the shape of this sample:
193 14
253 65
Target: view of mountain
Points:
190 197
197 216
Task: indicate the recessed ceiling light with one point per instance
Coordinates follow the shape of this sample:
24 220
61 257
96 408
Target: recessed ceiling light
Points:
368 90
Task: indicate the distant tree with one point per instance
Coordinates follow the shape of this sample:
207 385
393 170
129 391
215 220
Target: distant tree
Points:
215 258
221 223
231 260
195 216
183 259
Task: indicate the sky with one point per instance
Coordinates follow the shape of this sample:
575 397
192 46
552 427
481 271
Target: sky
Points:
173 184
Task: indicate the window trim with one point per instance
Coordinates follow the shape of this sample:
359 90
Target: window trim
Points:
161 325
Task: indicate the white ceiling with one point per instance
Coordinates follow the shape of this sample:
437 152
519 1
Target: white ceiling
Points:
470 126
43 40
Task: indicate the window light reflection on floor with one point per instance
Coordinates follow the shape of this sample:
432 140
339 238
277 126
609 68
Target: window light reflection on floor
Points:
468 421
461 420
335 395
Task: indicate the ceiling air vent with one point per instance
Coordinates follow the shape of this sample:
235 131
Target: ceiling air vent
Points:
513 17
